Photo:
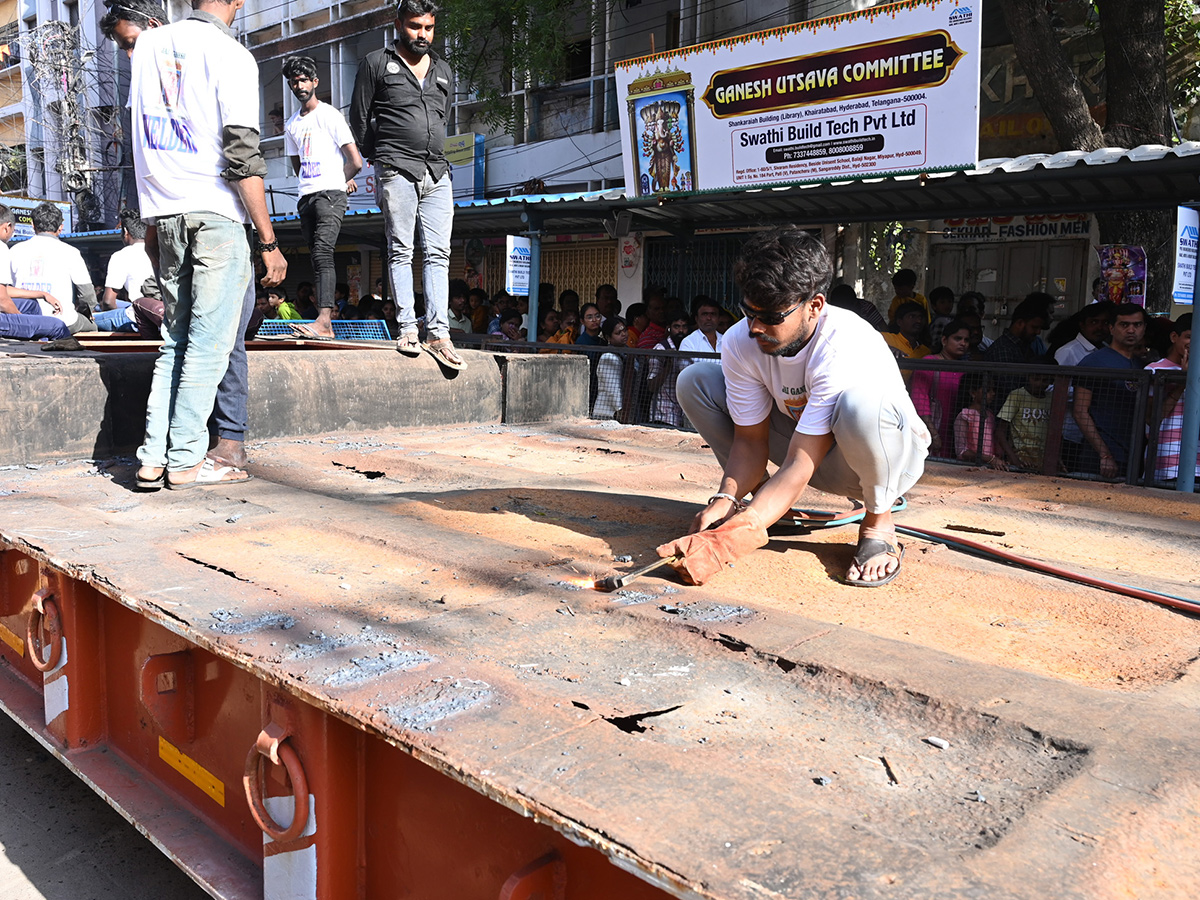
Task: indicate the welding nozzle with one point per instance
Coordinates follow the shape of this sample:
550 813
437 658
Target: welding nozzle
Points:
616 582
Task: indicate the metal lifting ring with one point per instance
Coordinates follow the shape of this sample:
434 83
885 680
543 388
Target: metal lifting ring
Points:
252 782
45 614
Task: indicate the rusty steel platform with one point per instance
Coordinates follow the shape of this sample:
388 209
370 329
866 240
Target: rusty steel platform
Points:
402 616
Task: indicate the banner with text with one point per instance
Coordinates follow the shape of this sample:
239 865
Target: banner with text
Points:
1187 231
886 90
517 256
994 229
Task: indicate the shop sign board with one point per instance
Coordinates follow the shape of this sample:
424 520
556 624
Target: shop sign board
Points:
996 229
883 91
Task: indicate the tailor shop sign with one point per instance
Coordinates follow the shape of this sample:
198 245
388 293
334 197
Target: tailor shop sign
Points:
886 90
995 229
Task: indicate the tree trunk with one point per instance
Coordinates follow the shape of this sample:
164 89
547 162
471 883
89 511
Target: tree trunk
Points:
1135 66
1137 103
1050 74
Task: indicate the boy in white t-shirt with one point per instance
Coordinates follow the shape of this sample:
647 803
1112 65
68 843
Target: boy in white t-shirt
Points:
128 269
324 155
45 265
21 317
812 388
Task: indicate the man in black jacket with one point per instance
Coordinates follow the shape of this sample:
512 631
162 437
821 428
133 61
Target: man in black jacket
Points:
398 115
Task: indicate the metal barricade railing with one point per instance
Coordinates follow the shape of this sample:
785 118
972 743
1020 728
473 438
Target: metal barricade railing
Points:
1121 407
636 387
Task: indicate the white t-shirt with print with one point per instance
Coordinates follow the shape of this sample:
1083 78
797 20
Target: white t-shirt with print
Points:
44 263
129 268
318 138
188 82
844 352
5 264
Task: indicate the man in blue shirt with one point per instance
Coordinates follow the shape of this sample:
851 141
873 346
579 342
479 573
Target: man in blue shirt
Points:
1104 407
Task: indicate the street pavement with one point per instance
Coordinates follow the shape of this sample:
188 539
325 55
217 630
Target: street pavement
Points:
61 841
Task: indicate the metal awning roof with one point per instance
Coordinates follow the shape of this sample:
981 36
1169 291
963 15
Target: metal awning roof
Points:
1146 177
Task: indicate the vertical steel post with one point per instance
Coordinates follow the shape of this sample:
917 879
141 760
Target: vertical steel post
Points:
534 233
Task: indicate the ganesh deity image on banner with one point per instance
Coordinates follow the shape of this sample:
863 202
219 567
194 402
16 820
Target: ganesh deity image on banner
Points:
662 142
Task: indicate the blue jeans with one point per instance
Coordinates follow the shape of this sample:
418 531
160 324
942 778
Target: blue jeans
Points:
229 413
28 324
204 265
115 319
430 204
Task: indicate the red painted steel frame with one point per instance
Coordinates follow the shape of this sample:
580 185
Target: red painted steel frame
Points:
162 728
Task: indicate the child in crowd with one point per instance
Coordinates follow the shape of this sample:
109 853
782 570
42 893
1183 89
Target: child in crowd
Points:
551 320
942 301
934 393
1170 429
638 320
509 328
284 309
609 371
568 330
1024 420
905 284
975 427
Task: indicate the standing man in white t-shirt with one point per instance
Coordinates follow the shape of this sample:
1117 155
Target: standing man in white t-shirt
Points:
44 264
815 390
128 269
324 155
195 110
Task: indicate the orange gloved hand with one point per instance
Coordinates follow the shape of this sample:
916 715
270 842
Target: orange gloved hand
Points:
703 555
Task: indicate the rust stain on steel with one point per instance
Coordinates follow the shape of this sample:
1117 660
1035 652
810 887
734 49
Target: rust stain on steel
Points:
427 606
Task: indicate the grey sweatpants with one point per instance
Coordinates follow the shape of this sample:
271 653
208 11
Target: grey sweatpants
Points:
877 453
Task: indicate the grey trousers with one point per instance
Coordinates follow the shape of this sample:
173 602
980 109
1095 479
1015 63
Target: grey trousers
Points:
877 454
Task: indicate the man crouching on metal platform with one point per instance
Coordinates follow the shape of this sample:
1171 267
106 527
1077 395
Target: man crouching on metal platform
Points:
815 390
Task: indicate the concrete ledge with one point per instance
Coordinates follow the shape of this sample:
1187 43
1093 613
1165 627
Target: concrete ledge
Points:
543 388
93 405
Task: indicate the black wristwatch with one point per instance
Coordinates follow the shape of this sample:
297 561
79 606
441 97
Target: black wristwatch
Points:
265 247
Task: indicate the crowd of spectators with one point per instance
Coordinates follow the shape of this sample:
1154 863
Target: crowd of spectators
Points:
979 406
982 406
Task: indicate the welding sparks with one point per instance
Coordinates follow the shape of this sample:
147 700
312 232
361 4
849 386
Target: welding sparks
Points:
580 583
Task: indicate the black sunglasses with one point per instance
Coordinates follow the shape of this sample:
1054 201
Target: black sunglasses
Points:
768 318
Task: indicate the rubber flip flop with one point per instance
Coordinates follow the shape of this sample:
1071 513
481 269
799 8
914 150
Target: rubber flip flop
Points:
868 549
308 333
819 518
444 353
150 484
408 345
211 474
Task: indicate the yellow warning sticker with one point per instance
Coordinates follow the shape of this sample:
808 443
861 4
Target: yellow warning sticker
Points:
13 640
191 770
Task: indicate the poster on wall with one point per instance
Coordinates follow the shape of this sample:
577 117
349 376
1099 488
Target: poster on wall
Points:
1122 273
1187 232
885 90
